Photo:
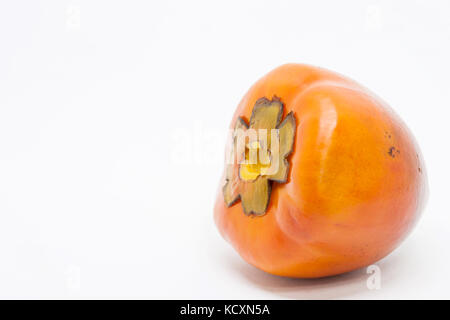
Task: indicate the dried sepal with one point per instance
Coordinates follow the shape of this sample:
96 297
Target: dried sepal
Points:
266 113
252 182
231 187
255 196
286 133
230 193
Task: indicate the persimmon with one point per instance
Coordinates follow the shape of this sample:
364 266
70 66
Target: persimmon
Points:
348 184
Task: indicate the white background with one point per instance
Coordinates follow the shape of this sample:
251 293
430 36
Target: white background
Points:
113 119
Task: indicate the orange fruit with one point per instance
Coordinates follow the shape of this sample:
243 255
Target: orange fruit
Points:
354 185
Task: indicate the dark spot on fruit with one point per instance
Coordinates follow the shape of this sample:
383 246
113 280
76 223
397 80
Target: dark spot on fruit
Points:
392 151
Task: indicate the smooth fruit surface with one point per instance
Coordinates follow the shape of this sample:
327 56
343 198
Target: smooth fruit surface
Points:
355 183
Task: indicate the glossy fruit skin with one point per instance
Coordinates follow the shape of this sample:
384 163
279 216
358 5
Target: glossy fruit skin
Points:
356 183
